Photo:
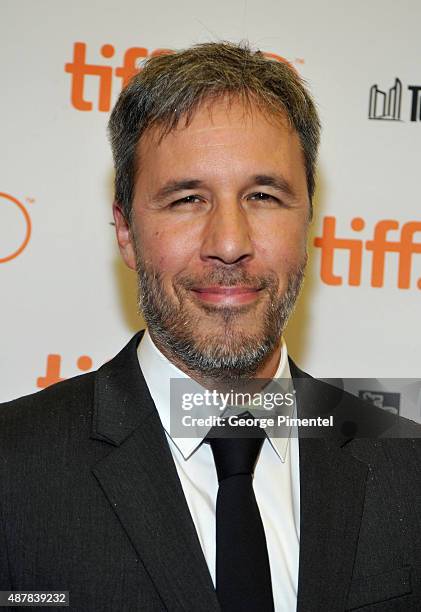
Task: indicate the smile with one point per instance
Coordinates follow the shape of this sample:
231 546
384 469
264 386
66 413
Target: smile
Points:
227 295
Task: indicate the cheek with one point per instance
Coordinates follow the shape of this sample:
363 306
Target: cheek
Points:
282 245
167 250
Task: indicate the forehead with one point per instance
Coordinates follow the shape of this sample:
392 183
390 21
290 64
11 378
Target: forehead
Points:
221 131
218 112
230 109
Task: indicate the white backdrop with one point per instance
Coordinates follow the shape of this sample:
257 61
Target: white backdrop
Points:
67 301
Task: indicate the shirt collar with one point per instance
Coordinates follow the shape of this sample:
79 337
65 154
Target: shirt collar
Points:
158 371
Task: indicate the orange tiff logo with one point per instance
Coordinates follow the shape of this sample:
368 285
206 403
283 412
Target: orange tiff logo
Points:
405 247
15 227
79 69
53 370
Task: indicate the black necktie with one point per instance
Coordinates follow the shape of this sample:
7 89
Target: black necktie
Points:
243 582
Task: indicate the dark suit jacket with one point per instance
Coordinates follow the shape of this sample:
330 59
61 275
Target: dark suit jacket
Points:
90 502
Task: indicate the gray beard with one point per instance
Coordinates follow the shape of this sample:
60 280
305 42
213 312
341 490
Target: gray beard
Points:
174 328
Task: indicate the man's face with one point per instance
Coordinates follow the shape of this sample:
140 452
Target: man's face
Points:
218 237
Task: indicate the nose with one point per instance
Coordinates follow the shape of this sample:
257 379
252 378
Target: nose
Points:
227 233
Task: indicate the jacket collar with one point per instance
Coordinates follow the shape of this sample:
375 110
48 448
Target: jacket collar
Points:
122 400
140 482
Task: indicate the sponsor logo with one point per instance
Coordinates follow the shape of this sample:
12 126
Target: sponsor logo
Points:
382 399
386 104
404 247
15 227
53 370
80 70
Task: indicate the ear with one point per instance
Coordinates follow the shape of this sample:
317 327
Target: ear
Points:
124 236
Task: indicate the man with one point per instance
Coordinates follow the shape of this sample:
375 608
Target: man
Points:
215 151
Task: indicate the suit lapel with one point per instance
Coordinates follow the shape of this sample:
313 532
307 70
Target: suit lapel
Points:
140 481
332 492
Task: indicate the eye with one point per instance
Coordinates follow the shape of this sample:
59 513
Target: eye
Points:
190 199
263 197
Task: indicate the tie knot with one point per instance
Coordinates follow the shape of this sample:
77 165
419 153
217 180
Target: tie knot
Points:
235 449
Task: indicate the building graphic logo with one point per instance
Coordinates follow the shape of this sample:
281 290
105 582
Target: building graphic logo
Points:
386 105
382 399
15 228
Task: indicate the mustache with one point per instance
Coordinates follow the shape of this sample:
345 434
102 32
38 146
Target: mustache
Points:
226 278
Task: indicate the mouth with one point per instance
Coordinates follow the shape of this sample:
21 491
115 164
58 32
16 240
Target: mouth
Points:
226 295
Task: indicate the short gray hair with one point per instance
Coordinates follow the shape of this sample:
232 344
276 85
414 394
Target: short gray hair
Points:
172 86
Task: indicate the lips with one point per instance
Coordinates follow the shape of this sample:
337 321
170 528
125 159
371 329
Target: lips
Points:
228 295
226 290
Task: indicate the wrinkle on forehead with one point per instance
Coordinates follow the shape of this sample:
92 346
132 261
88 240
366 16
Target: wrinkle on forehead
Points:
235 106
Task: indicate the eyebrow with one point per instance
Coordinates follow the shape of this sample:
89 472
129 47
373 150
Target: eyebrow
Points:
174 186
276 181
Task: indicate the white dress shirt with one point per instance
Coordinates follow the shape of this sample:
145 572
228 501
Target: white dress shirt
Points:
276 480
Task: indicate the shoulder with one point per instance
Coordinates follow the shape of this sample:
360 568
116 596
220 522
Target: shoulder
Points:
47 412
66 411
62 393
